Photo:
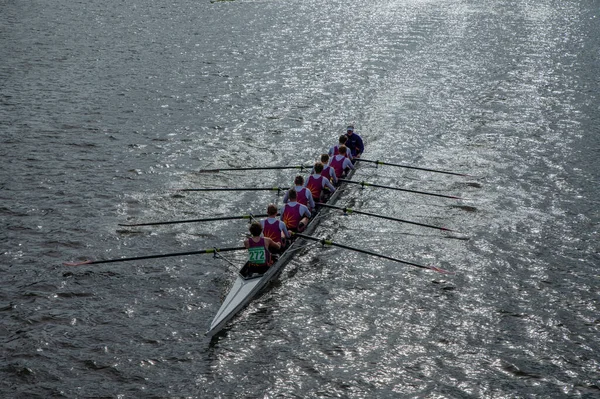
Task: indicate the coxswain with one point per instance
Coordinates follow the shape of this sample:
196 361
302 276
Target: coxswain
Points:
340 163
294 214
328 171
304 196
274 228
316 183
336 148
354 142
259 248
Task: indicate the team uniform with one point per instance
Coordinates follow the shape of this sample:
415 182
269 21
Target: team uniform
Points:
329 173
292 213
335 150
340 163
259 256
316 183
275 229
304 196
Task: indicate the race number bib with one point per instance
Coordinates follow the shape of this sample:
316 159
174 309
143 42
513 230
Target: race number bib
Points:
257 255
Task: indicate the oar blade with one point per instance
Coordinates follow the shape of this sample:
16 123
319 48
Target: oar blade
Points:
440 270
87 262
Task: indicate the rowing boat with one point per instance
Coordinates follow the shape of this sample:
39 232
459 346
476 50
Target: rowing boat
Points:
245 288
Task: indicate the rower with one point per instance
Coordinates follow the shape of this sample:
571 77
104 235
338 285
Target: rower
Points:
304 196
354 143
274 228
340 163
336 148
328 171
294 214
319 185
258 249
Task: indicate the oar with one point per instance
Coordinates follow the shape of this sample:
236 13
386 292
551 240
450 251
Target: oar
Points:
362 183
414 167
364 251
194 220
348 210
236 189
204 251
301 167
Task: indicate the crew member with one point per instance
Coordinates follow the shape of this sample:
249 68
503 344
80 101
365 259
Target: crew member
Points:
328 171
340 163
336 148
304 196
259 247
316 183
294 214
274 228
354 143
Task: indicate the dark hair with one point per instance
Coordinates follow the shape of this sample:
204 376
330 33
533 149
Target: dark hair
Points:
292 195
343 139
318 167
299 180
324 158
255 229
272 209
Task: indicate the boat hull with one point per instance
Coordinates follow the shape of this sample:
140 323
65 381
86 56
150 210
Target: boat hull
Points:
245 289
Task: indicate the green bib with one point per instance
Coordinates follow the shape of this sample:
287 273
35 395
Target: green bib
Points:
258 255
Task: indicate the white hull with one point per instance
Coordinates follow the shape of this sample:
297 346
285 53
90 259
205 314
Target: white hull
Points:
244 290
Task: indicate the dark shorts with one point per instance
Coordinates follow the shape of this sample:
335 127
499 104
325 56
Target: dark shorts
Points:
251 270
260 269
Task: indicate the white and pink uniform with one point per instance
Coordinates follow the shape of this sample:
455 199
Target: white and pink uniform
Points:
304 196
335 150
329 173
273 229
292 213
339 163
316 183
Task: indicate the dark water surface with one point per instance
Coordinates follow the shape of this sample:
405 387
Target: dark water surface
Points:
106 107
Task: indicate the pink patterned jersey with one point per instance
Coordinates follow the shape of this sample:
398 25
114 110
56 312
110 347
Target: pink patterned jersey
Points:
339 163
272 228
292 214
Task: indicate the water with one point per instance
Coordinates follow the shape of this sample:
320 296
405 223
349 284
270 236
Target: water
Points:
107 107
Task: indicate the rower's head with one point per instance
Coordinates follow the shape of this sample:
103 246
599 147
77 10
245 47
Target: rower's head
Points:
255 229
343 139
342 149
350 130
299 180
324 159
292 195
272 210
318 167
